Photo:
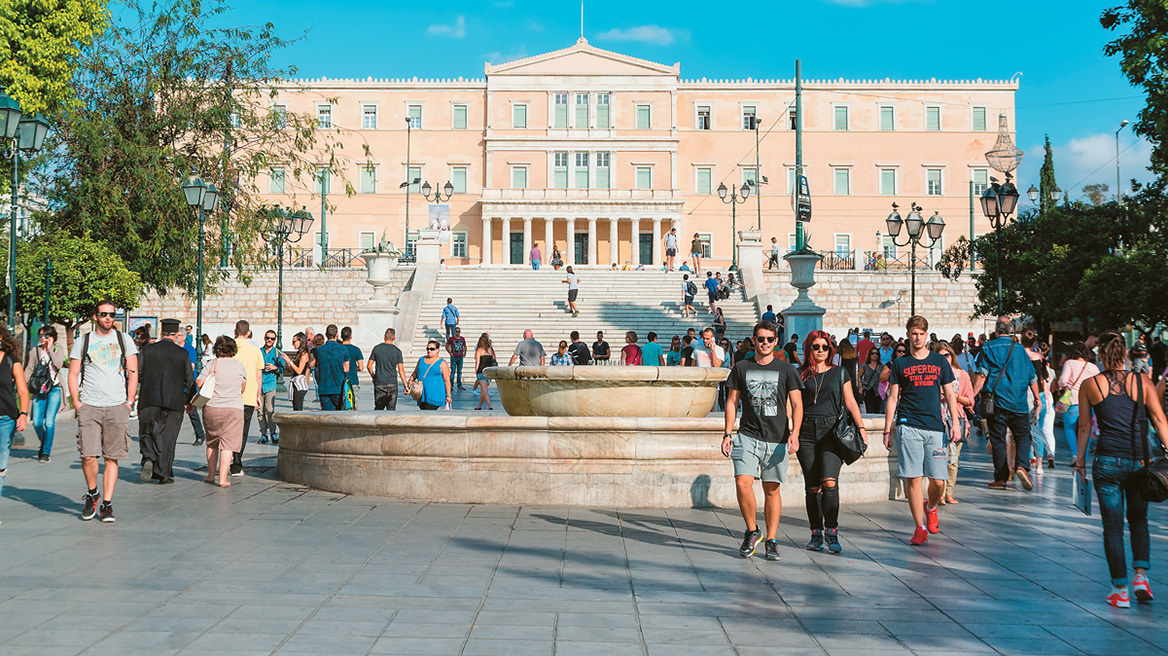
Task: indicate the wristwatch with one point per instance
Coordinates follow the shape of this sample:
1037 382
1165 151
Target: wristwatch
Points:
725 435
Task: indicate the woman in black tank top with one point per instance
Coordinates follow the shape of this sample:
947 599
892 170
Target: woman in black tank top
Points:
1114 397
13 397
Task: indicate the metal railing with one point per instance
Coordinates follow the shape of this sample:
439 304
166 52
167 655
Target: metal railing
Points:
833 261
302 258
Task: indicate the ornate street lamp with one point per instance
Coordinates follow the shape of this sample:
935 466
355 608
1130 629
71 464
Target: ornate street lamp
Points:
448 189
914 224
289 227
21 133
736 195
1000 200
205 197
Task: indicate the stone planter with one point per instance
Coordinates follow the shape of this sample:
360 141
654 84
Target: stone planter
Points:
802 269
378 267
607 391
750 235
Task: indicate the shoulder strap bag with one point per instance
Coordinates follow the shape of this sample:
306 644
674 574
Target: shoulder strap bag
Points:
207 390
987 404
1152 479
846 433
417 388
1066 399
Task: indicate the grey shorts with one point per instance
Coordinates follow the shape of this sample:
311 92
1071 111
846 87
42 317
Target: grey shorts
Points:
754 457
572 293
103 432
921 453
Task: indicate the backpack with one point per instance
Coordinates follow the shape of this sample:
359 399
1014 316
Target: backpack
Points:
691 288
41 380
85 356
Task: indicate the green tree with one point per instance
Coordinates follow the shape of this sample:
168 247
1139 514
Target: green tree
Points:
41 43
1143 53
1046 181
84 271
1096 193
1127 288
168 91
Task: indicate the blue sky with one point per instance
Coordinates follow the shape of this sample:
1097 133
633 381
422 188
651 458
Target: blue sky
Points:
1069 88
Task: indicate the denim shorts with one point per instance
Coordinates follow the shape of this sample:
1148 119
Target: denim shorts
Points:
760 459
920 453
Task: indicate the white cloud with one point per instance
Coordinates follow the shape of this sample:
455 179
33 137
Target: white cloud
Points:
652 34
1090 159
495 57
457 31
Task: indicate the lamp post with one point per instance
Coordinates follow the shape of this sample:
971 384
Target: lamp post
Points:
1122 124
999 200
438 197
290 227
206 198
1034 194
325 178
26 133
407 183
737 195
48 286
914 223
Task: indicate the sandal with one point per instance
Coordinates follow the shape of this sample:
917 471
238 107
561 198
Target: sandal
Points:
224 484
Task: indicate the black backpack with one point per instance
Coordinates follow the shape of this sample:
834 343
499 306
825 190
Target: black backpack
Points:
691 288
41 380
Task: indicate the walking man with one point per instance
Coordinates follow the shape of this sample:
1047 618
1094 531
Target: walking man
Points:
449 317
529 352
103 379
1005 365
688 291
579 350
711 286
353 360
535 256
573 281
168 383
332 364
670 248
918 382
252 359
766 385
773 257
456 347
386 368
273 365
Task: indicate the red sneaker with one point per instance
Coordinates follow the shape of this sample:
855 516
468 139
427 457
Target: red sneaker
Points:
919 537
1142 590
932 520
1119 599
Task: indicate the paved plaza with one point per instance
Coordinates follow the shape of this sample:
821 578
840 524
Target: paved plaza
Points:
267 567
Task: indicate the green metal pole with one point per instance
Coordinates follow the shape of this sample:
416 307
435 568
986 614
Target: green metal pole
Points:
280 311
798 147
409 182
733 229
48 287
12 241
324 180
757 175
199 309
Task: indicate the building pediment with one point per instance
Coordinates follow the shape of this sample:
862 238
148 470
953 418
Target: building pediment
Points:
583 59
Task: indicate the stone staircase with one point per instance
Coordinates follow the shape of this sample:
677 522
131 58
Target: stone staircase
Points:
505 302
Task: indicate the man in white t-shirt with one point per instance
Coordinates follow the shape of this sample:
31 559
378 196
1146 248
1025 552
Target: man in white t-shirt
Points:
573 281
706 353
103 381
670 248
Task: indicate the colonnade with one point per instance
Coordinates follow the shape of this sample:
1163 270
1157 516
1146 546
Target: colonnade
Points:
569 252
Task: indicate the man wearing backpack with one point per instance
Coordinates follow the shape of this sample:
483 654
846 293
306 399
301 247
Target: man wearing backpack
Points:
688 291
103 379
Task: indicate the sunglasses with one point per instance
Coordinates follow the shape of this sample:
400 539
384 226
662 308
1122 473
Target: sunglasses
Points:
820 347
269 339
766 340
107 314
431 348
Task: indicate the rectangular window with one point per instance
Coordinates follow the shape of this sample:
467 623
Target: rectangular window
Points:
367 241
458 179
979 119
234 120
603 175
704 182
703 118
791 181
933 119
790 242
459 117
368 179
581 171
644 177
981 181
560 111
793 119
841 118
643 117
280 112
560 171
889 246
276 181
519 116
887 118
369 117
458 244
320 181
603 121
887 182
414 113
843 182
411 242
749 174
749 116
933 182
843 245
519 177
324 116
414 177
706 241
582 111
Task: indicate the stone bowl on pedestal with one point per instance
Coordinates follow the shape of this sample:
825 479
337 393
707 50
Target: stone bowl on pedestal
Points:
607 391
378 267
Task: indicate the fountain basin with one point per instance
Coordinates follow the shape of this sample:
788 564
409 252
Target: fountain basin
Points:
677 392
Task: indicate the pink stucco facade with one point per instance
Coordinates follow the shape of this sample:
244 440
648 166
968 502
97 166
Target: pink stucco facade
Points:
602 147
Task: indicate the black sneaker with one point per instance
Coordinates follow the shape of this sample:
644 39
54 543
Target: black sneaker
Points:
833 544
236 473
90 506
263 440
107 513
44 457
772 550
749 543
816 543
197 442
275 439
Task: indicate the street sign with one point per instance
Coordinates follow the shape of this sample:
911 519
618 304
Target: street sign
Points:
803 201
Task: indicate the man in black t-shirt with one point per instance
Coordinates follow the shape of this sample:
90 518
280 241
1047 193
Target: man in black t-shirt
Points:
600 350
918 382
687 358
386 367
791 348
766 385
579 350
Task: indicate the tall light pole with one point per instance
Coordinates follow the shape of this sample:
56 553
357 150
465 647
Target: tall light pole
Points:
1033 194
26 133
999 200
325 177
914 223
407 183
736 195
290 226
759 180
205 197
1118 195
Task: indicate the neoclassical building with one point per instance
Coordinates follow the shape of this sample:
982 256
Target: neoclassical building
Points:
602 153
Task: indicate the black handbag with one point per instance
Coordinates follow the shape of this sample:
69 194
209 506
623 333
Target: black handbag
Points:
987 403
1152 480
846 433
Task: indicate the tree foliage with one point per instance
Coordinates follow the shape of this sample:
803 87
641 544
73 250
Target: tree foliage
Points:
1046 182
1143 53
1096 193
166 92
41 43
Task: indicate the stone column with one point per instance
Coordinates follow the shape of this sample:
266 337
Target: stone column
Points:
526 237
635 238
613 252
486 254
505 248
592 240
570 251
549 238
657 258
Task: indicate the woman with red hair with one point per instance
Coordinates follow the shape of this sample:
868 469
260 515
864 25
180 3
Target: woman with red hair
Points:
826 389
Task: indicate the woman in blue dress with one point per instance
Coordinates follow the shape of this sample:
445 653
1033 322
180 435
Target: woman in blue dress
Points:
434 372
